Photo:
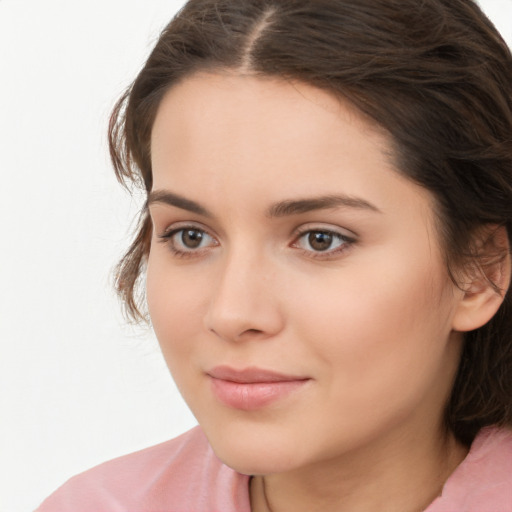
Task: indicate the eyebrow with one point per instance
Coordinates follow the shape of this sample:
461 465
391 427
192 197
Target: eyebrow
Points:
280 209
298 206
166 197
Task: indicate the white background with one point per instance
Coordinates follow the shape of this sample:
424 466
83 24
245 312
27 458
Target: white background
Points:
77 384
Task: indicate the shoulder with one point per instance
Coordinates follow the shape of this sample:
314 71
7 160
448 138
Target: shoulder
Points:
181 474
483 481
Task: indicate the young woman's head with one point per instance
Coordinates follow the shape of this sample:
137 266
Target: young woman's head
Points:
330 199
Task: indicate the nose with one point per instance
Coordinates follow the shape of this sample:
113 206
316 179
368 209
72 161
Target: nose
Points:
245 303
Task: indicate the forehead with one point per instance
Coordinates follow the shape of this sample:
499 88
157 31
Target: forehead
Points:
200 96
228 115
238 135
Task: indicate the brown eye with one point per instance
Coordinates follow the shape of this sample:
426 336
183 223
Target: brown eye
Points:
320 240
188 241
191 238
317 241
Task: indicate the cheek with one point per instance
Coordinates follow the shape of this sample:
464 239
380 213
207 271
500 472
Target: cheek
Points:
382 344
378 323
175 302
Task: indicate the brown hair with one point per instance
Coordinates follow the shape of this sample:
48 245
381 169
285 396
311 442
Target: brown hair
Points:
434 73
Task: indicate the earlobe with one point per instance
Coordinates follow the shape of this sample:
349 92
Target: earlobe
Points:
488 283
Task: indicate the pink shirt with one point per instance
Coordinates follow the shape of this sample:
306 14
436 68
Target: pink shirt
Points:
184 475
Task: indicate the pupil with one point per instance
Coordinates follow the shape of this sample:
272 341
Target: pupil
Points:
191 238
320 241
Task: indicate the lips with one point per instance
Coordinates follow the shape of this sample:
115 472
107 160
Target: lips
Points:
252 388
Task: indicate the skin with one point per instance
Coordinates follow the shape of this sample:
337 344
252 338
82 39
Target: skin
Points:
370 322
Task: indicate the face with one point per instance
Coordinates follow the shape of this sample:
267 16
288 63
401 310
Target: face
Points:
295 280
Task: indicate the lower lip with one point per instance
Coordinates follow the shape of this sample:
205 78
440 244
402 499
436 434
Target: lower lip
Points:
254 395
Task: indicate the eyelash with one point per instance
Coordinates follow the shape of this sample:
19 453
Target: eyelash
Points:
168 238
345 242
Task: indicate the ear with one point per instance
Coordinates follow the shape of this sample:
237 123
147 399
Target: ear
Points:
487 280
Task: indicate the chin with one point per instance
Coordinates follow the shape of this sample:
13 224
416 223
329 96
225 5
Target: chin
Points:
255 451
255 461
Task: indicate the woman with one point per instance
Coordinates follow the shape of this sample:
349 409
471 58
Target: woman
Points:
325 245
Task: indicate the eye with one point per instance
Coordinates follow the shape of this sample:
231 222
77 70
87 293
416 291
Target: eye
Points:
191 238
322 241
187 240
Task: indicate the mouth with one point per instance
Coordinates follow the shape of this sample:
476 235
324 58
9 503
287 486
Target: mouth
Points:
252 388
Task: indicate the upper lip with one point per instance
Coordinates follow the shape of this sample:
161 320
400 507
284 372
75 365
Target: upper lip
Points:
250 375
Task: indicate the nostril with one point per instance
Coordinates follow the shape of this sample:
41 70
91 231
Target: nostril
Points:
249 334
243 334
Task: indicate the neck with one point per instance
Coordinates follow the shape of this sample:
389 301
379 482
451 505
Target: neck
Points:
397 473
